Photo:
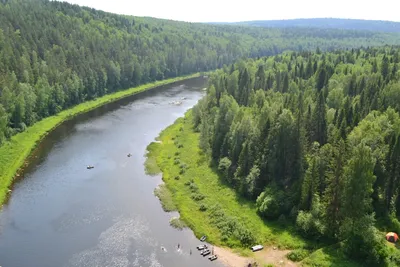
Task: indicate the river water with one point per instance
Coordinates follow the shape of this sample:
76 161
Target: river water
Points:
62 215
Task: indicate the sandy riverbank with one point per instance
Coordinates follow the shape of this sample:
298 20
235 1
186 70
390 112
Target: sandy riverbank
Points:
267 256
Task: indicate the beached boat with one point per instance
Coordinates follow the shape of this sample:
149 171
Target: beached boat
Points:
201 247
213 257
257 248
206 252
203 238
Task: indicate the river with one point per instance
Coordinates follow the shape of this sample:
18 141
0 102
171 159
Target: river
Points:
61 214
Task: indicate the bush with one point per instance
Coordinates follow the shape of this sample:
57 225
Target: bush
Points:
203 207
298 255
177 153
177 177
193 187
310 224
177 223
177 161
180 145
223 166
197 196
270 203
182 171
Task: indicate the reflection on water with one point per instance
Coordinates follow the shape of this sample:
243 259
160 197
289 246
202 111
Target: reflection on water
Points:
62 214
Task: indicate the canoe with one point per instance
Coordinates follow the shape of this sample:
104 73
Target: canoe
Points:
213 257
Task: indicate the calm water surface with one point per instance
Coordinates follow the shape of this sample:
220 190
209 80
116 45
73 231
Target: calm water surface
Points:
61 214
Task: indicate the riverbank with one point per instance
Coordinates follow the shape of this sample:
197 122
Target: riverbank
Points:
210 207
13 153
207 205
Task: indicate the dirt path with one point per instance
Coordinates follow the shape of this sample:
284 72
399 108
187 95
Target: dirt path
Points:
266 256
275 257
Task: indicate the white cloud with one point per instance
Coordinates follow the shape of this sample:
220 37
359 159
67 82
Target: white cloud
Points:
228 10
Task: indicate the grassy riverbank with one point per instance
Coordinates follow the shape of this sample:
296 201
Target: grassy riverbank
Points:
14 152
210 207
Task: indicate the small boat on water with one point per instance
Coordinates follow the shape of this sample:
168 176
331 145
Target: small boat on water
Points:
213 257
203 238
201 247
90 167
129 155
206 252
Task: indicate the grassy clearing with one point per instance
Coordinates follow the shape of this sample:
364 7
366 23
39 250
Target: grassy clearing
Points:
329 257
177 223
14 152
203 200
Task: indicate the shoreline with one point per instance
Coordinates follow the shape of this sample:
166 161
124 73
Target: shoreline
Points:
184 167
15 152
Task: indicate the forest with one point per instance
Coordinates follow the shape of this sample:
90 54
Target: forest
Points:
328 23
312 138
55 55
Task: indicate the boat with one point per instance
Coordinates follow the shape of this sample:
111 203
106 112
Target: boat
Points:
213 257
257 248
129 155
201 247
203 238
90 167
206 252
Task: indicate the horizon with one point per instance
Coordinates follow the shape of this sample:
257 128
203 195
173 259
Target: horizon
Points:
180 10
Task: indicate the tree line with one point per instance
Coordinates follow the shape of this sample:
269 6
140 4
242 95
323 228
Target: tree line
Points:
312 138
54 55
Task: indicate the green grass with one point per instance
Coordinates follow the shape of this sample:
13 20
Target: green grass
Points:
196 189
14 152
177 223
331 256
165 197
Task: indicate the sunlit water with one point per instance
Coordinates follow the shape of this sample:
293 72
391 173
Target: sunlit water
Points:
61 214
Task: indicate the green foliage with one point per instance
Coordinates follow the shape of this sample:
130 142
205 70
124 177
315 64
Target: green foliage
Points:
324 151
269 203
177 223
298 255
165 197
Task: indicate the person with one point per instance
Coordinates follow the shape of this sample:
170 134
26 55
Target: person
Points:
190 252
178 245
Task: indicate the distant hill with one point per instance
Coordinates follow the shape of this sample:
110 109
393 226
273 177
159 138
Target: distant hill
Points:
327 23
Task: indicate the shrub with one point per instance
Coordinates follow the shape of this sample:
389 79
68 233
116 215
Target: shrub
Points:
180 145
177 223
197 196
177 161
298 255
177 153
270 202
182 171
177 177
203 207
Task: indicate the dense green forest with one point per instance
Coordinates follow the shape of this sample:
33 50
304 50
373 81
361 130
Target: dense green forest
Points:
312 138
54 55
328 23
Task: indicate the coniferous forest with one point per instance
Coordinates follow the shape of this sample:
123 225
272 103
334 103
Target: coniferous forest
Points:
313 138
54 55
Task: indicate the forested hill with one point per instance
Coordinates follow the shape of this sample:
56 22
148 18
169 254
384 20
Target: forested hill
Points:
54 55
313 138
328 23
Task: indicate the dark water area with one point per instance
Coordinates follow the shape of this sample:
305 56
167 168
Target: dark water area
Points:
62 214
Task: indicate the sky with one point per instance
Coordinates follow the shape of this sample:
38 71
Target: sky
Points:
244 10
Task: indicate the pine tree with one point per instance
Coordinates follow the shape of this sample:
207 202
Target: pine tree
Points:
319 124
